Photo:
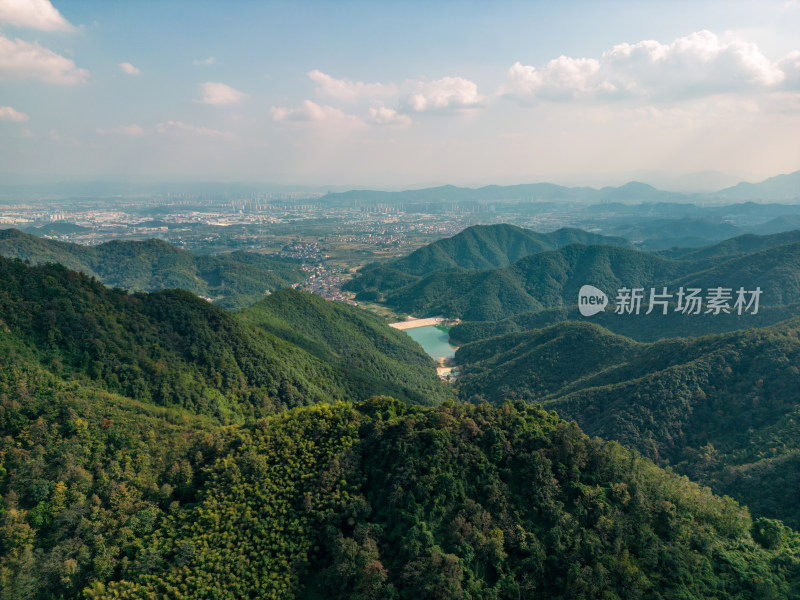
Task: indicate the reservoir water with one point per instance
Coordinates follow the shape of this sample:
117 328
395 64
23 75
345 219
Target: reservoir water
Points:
434 340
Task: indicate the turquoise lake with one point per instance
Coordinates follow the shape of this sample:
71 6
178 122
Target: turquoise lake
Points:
434 341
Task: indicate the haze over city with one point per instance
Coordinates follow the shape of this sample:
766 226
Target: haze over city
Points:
684 96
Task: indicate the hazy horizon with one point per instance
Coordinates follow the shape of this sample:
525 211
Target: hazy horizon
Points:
693 183
382 95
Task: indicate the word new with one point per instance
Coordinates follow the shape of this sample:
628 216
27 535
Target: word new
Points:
591 300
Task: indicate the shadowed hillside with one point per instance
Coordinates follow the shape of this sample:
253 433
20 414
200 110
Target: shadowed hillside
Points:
721 409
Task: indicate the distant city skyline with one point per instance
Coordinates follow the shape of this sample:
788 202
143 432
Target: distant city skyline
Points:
384 95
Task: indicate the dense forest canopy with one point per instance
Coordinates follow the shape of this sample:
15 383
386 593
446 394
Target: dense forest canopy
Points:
722 409
155 445
232 280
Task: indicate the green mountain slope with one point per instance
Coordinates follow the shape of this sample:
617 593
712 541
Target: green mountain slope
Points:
775 270
84 476
103 495
476 248
545 280
232 280
168 348
375 358
742 244
171 348
721 409
378 499
659 233
642 327
552 279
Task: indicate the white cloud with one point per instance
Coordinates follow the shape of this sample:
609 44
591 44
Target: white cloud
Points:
387 116
22 60
34 14
696 65
219 94
180 127
349 90
205 62
129 130
444 94
128 68
698 62
9 114
563 78
790 65
311 112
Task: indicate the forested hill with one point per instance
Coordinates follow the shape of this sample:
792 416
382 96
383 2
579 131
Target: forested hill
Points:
742 244
533 283
376 358
107 498
171 348
552 280
641 327
722 409
146 451
475 248
232 280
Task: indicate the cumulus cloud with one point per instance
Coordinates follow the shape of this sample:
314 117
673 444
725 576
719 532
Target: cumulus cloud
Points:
345 89
128 68
205 62
311 112
24 60
129 130
9 114
699 64
34 14
445 94
180 127
563 78
700 61
219 94
387 116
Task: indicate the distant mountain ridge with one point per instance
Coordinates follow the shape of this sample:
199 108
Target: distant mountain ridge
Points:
778 188
529 192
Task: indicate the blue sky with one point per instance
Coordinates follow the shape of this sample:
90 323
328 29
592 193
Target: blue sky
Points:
400 94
